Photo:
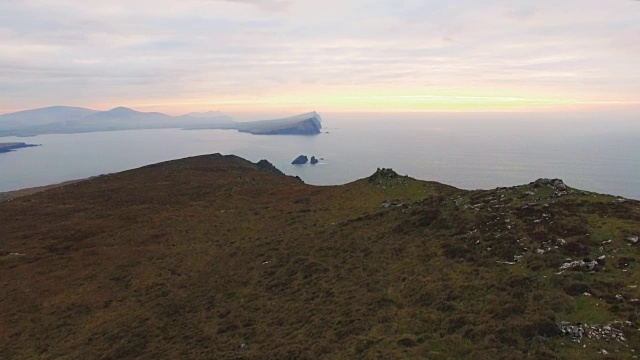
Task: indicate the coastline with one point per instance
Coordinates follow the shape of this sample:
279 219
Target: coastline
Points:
13 146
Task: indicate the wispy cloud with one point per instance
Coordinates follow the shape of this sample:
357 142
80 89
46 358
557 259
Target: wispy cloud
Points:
275 5
255 52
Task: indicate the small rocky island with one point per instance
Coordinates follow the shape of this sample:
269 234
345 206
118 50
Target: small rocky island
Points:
303 159
300 160
9 147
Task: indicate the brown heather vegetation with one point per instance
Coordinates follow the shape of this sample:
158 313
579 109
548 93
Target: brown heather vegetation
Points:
214 257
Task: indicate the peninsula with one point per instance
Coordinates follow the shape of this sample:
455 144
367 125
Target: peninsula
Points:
9 147
304 124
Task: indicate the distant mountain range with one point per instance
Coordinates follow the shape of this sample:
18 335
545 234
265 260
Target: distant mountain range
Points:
69 120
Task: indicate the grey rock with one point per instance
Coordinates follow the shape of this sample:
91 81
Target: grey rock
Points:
589 265
558 185
300 160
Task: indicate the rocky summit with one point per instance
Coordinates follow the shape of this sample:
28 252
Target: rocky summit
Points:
215 257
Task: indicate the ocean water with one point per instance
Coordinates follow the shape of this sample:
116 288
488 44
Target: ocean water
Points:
470 152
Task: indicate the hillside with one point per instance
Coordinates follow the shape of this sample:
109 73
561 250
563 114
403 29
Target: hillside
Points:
43 116
214 257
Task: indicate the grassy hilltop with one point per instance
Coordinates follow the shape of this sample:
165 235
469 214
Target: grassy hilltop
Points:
214 257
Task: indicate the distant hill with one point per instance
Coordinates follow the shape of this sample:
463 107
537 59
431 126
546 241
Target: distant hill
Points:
29 118
215 257
65 120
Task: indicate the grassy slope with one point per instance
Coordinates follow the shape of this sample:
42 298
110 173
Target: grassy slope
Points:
192 258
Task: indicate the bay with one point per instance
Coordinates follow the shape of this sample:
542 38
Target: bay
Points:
470 152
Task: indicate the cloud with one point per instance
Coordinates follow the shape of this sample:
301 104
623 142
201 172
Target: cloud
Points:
522 13
272 5
239 51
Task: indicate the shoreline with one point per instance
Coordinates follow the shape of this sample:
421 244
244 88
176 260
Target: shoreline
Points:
15 146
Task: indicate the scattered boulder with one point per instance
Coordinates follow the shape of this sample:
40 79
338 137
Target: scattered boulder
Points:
314 160
633 239
10 255
300 160
608 332
587 265
387 204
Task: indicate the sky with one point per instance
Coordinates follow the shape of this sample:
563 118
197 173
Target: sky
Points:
331 55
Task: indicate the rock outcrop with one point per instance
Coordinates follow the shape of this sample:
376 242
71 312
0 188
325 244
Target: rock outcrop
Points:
383 173
554 183
269 167
300 160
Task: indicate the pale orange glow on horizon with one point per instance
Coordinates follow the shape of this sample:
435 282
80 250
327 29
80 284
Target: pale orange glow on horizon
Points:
275 56
376 103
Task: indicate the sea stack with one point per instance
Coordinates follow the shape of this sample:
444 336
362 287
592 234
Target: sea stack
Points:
300 160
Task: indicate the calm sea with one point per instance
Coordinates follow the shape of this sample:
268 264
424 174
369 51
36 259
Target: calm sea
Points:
465 151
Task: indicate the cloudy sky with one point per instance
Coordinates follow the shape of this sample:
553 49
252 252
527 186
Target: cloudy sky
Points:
328 55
